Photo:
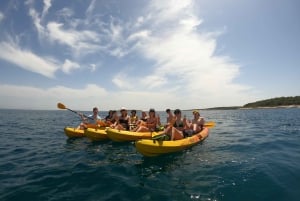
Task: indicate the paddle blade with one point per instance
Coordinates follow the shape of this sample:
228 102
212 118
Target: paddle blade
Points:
209 124
61 106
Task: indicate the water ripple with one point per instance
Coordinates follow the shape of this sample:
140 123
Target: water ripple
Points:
249 155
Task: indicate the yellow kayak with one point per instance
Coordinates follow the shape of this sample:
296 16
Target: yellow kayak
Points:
149 147
122 136
96 134
74 132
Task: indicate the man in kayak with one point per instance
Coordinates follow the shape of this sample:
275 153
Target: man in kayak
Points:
169 117
194 126
198 122
93 120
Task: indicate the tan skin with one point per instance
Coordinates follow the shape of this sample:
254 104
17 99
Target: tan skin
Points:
176 132
197 122
114 119
169 118
149 125
85 122
133 120
123 116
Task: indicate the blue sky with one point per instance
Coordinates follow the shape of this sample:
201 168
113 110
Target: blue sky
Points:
141 54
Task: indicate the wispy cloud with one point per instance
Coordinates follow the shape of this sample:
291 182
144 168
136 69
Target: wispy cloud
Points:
82 41
1 16
91 7
27 60
185 59
13 96
93 67
65 13
37 22
121 81
183 68
68 66
47 5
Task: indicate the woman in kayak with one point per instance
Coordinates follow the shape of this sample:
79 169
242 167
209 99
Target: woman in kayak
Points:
123 120
133 120
112 119
177 126
150 124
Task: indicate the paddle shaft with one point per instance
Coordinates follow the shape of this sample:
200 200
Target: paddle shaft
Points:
80 114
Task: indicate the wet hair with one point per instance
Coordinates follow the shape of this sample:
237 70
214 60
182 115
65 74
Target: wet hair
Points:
151 110
177 111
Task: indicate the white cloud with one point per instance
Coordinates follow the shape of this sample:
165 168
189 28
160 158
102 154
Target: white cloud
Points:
121 81
140 35
163 11
65 13
27 60
47 5
185 60
182 69
1 16
28 97
82 41
68 66
37 22
93 67
91 7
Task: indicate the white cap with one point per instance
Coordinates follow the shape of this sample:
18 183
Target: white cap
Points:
123 108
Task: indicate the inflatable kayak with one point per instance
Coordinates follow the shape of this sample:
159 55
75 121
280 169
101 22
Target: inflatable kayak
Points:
122 136
74 132
95 134
150 147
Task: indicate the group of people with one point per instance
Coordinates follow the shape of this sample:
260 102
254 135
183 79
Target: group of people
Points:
176 127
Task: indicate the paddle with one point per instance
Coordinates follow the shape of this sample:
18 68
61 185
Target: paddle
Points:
63 107
209 124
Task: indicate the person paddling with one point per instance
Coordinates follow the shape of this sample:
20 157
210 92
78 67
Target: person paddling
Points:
90 121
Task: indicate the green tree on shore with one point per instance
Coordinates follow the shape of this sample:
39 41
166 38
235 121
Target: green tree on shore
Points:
274 102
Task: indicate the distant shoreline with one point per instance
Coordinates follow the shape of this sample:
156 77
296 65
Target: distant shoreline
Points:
249 108
271 107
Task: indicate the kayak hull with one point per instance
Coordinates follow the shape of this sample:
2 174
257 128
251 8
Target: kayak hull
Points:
123 136
148 147
74 132
96 134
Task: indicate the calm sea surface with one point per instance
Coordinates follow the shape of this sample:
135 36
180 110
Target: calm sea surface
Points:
250 155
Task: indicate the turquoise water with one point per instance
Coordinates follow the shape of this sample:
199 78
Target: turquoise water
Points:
249 155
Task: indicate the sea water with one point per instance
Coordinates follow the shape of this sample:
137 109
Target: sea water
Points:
249 155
